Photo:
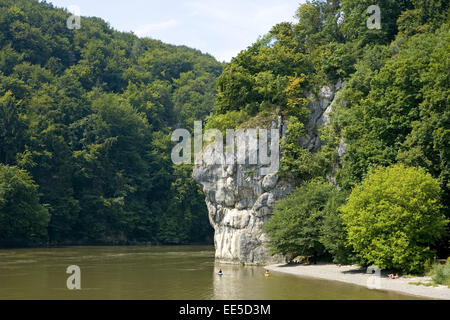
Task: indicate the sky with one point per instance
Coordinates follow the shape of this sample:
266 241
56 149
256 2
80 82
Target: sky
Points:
220 28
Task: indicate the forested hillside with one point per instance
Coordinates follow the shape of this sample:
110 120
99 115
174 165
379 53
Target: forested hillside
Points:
85 123
392 114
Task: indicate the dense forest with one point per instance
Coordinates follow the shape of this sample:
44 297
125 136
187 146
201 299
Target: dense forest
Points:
386 201
85 124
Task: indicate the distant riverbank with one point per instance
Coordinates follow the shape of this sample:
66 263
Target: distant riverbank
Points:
356 275
18 245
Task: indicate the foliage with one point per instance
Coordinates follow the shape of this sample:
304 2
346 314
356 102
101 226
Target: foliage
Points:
355 18
22 218
399 97
440 274
230 120
297 162
12 128
297 221
88 113
332 233
393 217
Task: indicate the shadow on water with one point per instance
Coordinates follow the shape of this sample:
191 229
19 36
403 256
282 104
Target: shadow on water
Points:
158 273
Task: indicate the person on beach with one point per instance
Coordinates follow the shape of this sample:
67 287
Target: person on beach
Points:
220 272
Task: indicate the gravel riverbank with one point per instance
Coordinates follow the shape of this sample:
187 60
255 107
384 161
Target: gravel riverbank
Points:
356 275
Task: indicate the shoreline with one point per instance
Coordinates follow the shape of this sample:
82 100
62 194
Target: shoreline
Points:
130 244
356 275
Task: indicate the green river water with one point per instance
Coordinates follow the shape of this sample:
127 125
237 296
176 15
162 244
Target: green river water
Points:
177 273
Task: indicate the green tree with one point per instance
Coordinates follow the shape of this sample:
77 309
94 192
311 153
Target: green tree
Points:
235 88
355 20
23 220
394 217
332 233
295 227
12 129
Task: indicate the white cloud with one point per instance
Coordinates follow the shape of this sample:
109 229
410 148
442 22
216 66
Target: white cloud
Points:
149 29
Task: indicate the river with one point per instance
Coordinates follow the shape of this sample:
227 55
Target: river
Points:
156 273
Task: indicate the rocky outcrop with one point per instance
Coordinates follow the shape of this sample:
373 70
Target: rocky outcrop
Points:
240 200
320 106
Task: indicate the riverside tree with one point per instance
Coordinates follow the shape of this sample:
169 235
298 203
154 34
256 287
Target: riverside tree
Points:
394 217
295 227
22 218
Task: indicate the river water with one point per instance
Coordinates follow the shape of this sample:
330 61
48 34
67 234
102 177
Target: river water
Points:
156 273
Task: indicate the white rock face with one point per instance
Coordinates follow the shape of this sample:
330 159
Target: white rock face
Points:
320 107
240 201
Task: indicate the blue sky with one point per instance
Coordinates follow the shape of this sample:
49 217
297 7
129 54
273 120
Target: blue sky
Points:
221 28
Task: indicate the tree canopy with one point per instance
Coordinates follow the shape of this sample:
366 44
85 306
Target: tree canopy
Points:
393 217
22 218
298 221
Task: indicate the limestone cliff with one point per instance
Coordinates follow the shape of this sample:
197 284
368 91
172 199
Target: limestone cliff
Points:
240 200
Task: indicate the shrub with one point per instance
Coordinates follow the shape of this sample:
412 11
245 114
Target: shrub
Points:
295 228
297 163
229 120
440 273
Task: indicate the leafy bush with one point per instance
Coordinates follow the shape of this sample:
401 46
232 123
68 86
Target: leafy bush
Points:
296 161
440 273
296 227
393 217
229 120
